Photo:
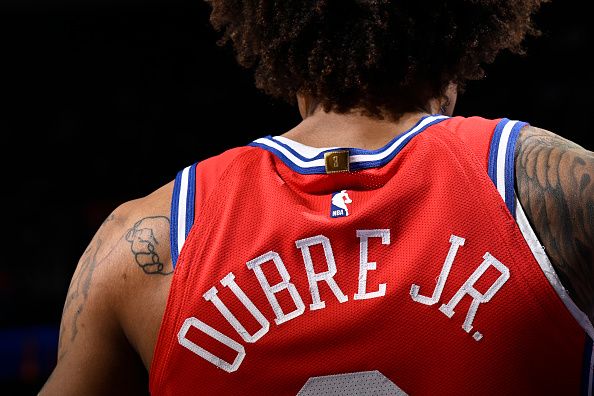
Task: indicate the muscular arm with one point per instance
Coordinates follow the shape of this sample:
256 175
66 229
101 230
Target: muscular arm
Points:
114 305
555 185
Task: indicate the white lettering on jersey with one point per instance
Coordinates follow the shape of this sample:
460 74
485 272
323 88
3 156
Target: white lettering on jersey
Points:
229 281
455 242
365 266
327 276
477 297
270 291
222 338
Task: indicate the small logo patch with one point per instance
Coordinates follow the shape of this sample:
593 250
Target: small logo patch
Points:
338 206
337 161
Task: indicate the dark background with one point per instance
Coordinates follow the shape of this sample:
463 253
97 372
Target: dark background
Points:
104 101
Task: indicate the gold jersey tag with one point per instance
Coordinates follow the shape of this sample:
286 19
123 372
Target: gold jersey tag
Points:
337 161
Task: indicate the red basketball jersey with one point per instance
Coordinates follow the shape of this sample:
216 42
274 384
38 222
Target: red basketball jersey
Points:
405 270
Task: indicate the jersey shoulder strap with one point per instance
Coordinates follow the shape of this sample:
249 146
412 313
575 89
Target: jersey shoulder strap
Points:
191 186
493 142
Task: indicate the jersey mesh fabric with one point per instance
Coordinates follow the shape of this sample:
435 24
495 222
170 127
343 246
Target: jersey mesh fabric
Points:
249 203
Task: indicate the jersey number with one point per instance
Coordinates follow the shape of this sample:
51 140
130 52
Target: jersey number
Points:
351 384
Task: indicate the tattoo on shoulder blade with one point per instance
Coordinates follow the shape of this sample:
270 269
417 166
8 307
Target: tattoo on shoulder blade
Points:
79 288
147 249
77 295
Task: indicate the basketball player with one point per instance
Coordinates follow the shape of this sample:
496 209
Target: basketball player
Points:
381 246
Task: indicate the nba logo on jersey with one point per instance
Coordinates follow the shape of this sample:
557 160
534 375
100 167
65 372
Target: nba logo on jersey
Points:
338 207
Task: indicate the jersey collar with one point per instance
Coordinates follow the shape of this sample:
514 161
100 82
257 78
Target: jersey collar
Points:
310 160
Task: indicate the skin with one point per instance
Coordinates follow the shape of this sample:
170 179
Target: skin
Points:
118 292
555 185
115 303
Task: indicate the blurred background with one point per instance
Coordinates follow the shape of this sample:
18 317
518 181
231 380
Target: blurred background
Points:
104 101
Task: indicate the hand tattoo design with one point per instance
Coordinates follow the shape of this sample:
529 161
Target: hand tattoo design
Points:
145 245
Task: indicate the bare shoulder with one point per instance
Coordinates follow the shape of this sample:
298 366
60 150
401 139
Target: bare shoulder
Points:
555 185
115 302
142 268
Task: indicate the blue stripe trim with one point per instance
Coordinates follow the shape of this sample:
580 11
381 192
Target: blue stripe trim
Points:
384 161
587 376
494 149
174 211
352 151
191 199
510 168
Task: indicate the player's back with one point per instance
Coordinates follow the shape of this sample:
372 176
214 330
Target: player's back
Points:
410 268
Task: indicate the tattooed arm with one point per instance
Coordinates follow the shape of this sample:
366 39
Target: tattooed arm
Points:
555 185
115 303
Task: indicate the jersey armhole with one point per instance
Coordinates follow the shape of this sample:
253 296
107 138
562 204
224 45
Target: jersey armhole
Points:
580 317
501 170
182 209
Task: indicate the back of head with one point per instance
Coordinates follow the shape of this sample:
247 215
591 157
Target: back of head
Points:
381 57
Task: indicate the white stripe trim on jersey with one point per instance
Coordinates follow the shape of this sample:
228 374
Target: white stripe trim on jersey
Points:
359 158
545 264
289 155
181 209
302 149
502 155
501 164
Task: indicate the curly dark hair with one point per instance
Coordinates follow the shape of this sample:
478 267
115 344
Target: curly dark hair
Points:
381 57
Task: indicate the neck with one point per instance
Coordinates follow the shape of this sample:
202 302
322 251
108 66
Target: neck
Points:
323 129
